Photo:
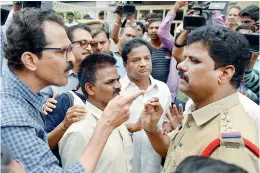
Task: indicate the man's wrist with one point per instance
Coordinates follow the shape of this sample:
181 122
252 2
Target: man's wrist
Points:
150 128
103 124
151 133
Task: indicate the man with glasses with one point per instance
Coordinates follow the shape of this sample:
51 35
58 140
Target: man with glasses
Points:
38 55
83 45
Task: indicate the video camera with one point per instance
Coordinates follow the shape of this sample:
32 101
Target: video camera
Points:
203 13
253 38
125 7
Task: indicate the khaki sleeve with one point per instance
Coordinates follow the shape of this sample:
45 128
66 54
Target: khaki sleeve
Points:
241 157
71 148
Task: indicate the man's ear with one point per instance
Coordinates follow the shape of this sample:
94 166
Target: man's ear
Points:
30 60
227 74
89 89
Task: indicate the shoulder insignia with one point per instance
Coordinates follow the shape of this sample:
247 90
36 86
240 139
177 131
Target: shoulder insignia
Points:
231 135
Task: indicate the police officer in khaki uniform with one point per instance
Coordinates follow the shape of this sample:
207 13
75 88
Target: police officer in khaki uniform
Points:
217 126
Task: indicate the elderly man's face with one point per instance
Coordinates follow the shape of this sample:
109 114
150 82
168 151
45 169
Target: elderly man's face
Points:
233 16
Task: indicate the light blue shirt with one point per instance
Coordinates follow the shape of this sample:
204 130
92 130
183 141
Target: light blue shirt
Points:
73 83
119 64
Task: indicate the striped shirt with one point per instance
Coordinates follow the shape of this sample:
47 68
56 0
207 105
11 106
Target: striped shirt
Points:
161 59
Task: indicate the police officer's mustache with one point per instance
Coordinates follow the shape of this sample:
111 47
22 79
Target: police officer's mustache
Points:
70 66
117 91
183 76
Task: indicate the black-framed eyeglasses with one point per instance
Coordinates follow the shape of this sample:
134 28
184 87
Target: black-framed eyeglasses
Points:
84 44
66 50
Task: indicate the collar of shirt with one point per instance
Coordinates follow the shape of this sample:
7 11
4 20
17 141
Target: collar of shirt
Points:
208 112
15 84
72 73
93 110
125 82
116 50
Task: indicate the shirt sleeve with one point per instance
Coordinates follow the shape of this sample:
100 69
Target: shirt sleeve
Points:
164 31
54 118
241 157
218 18
33 152
173 79
252 81
71 148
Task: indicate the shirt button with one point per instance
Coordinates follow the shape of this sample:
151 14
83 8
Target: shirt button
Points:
188 126
225 112
174 162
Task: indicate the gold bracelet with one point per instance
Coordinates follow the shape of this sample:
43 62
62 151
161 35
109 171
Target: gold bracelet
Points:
63 127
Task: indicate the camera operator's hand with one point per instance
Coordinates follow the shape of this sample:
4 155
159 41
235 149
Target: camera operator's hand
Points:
253 59
178 5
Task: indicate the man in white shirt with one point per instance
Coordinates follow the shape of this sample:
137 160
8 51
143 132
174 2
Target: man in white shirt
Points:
136 55
71 20
99 81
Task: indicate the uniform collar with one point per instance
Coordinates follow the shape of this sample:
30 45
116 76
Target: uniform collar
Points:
93 110
208 112
125 82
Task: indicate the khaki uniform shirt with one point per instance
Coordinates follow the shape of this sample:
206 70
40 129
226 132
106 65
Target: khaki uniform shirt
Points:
205 125
117 153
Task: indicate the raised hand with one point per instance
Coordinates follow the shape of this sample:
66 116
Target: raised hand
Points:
179 4
117 110
175 117
151 114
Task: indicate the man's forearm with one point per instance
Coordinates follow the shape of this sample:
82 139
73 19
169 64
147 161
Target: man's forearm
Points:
92 153
116 29
164 31
160 143
55 136
177 52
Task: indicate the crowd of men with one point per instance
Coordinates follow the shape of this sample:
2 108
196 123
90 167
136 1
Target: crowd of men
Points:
134 100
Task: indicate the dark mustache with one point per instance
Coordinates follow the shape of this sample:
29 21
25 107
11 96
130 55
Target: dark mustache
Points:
70 66
184 76
117 91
